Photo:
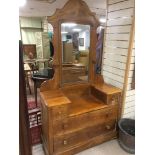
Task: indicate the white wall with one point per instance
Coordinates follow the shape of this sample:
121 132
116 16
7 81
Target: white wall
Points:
82 35
129 109
117 34
63 37
29 26
87 40
86 36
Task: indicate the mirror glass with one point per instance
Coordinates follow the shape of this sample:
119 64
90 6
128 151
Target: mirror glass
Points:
99 49
75 52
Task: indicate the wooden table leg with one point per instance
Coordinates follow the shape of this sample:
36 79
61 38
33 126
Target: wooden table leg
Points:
35 92
27 82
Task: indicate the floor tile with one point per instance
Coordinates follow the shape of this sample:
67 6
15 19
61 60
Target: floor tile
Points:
108 148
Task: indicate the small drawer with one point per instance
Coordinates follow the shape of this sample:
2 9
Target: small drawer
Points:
59 112
106 98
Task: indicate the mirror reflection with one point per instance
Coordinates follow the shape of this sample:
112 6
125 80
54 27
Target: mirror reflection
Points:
75 52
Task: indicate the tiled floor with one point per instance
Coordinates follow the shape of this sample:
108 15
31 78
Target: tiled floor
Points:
108 148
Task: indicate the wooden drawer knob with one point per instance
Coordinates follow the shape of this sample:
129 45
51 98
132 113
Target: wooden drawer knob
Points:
108 127
65 142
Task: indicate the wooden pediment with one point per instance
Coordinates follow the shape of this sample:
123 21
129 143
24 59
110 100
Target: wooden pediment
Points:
77 10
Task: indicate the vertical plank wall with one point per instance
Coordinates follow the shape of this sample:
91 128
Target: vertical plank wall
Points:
129 107
120 15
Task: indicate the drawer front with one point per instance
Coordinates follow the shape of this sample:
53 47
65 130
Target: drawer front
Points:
59 112
113 99
108 99
69 140
85 120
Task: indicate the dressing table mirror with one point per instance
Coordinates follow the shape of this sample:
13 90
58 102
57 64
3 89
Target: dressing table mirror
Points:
78 109
75 52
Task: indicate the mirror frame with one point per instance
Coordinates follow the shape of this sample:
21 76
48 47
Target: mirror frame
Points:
76 12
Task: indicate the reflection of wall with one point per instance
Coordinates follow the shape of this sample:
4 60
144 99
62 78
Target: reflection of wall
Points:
87 39
86 36
63 37
82 35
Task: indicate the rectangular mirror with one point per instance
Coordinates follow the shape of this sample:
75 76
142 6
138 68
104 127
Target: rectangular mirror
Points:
75 52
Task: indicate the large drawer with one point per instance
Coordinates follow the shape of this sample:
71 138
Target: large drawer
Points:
69 140
78 122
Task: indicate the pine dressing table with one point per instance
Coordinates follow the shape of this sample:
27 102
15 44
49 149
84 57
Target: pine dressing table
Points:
77 115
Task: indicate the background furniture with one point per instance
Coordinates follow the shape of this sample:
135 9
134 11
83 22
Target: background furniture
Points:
29 51
42 61
67 52
27 69
39 77
73 72
79 115
84 58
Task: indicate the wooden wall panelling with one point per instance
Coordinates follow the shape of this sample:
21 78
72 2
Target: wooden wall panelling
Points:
119 52
113 82
122 5
115 64
117 42
114 76
130 60
114 70
130 104
116 37
119 22
129 110
121 46
130 98
119 29
129 115
114 57
120 13
115 1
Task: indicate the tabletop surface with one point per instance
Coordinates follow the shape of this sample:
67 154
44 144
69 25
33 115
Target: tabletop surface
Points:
34 60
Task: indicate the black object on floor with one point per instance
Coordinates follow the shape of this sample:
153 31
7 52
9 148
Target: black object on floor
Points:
127 134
